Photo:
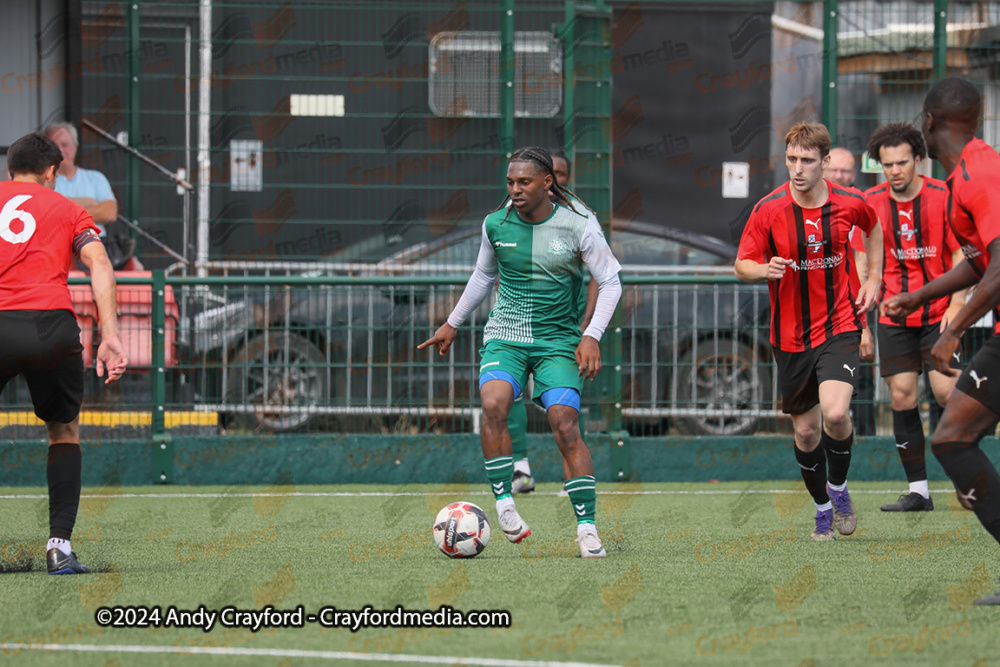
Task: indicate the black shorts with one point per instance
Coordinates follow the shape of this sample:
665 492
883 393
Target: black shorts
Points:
800 373
44 347
981 379
908 349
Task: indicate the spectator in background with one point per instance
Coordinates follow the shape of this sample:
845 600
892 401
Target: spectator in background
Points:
87 187
842 169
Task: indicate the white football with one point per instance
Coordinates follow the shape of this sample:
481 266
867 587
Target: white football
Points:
461 530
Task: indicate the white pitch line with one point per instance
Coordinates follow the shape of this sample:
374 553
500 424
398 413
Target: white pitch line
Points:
296 653
387 494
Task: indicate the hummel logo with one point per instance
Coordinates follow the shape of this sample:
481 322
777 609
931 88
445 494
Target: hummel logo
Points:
498 487
813 469
979 380
969 497
814 223
902 446
844 453
850 369
501 244
907 214
580 509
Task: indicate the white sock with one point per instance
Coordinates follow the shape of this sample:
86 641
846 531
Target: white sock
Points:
60 544
582 528
824 507
838 488
504 504
522 466
921 488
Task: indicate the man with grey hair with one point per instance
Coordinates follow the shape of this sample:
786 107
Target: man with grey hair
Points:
87 187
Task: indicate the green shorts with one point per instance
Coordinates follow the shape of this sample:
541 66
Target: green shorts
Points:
552 364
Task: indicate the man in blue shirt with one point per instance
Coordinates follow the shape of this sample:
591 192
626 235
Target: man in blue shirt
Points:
87 187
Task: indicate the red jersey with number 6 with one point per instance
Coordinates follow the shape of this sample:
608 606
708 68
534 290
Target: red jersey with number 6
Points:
38 228
974 205
918 245
814 300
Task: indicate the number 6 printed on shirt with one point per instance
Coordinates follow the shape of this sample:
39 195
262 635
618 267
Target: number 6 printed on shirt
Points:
9 214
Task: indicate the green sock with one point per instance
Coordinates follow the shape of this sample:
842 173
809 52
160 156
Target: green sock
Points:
583 494
517 424
500 471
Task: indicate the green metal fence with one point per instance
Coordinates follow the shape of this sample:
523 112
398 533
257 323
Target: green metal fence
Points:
349 132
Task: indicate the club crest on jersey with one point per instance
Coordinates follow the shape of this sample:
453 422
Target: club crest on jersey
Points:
558 246
906 231
813 244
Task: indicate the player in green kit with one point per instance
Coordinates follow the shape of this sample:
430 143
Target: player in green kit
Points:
538 248
517 420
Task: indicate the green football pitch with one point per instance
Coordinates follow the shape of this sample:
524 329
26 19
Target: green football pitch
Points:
696 574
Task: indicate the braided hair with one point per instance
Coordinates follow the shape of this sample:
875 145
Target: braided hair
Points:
543 161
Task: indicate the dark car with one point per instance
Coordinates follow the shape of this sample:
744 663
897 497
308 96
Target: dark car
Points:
695 355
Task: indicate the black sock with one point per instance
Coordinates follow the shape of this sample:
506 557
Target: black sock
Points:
838 452
813 466
909 432
63 472
975 480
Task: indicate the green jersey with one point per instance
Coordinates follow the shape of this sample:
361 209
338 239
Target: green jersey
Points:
541 272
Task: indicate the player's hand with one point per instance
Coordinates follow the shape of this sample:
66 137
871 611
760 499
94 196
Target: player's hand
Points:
588 357
949 315
867 349
776 267
111 356
943 351
442 339
899 306
868 294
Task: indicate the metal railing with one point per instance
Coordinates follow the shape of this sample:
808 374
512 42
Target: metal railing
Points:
293 354
317 353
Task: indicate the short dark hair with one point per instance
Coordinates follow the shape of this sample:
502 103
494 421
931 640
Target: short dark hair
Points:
33 154
954 98
558 153
897 134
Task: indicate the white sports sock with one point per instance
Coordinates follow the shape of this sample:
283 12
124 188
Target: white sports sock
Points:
60 544
824 507
838 488
522 466
582 528
503 504
921 488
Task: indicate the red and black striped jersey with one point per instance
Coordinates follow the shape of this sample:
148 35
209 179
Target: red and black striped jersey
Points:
918 245
814 300
974 205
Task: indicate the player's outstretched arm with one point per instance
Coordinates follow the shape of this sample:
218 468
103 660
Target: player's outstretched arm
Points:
957 299
111 353
480 285
442 339
749 271
960 277
868 294
985 298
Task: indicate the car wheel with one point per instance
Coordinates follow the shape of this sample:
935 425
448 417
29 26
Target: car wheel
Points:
726 378
276 371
